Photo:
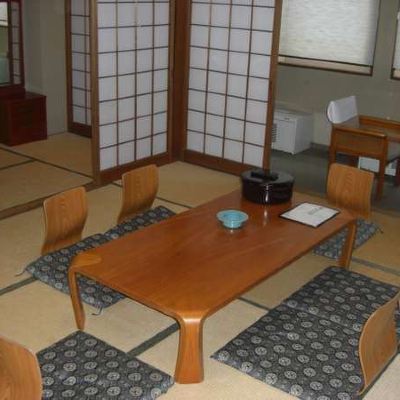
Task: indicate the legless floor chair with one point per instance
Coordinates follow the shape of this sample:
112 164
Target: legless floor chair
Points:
20 377
139 189
350 188
65 216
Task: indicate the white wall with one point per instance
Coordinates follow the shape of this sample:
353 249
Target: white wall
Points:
44 56
312 89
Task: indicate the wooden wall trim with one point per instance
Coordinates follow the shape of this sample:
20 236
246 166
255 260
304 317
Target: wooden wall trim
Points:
220 164
113 174
68 62
272 84
80 129
171 78
94 91
180 77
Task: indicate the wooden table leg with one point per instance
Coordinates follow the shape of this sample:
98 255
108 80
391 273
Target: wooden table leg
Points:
347 250
81 260
189 366
76 298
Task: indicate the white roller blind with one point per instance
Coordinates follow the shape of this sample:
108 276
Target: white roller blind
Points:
396 61
333 30
3 14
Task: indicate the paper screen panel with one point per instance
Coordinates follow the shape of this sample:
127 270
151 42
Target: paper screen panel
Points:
230 55
133 68
17 72
80 62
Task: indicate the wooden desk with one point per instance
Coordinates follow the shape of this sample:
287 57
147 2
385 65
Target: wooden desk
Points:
189 266
371 124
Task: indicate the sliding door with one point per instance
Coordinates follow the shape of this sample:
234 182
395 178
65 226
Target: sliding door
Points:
78 66
131 71
232 67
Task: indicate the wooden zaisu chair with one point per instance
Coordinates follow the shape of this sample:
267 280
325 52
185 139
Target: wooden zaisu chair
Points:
20 377
65 216
139 189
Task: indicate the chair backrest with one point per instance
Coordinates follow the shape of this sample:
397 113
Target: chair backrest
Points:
139 189
20 376
65 216
378 342
342 110
350 188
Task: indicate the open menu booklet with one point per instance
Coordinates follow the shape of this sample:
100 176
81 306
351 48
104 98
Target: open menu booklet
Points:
310 214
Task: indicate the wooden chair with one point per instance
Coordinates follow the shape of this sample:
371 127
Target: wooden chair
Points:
350 188
378 343
139 189
65 216
20 377
362 136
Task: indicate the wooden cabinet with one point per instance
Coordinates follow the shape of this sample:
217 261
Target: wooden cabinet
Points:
23 118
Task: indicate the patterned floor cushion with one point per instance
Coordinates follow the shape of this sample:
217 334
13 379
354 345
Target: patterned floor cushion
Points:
139 221
308 345
52 269
332 248
81 366
306 356
342 296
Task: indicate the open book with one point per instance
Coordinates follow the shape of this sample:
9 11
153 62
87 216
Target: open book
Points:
310 214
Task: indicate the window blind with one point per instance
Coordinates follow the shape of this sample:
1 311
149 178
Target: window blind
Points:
3 14
341 31
396 61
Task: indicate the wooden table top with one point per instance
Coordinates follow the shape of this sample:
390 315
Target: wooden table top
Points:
190 265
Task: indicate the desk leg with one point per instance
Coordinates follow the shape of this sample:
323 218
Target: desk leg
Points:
189 366
76 298
81 260
347 250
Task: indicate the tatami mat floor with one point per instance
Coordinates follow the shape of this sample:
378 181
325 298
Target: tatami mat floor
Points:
63 149
36 315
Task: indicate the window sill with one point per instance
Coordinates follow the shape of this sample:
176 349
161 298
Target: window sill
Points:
326 65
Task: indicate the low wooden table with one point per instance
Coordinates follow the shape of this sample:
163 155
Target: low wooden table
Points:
189 266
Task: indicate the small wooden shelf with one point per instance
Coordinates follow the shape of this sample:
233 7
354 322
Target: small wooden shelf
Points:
22 118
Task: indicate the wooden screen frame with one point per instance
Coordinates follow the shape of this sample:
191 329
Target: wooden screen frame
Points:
112 174
178 90
181 90
74 127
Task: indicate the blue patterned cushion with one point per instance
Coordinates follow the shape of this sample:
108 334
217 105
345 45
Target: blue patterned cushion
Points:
139 221
52 269
332 248
308 345
81 366
342 296
308 357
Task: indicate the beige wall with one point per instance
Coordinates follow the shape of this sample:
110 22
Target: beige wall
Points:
44 50
311 90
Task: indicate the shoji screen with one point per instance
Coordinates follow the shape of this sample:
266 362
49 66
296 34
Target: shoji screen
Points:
133 76
229 82
17 68
78 56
